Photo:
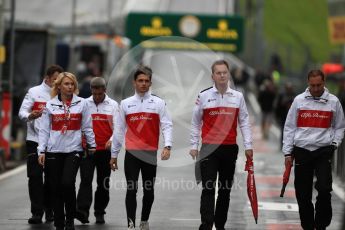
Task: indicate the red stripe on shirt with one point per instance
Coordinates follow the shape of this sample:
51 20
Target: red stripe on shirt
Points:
314 118
74 123
219 125
38 105
103 128
143 131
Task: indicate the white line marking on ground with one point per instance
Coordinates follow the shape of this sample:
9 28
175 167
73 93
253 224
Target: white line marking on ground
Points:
275 130
185 219
275 221
272 206
254 103
12 172
215 197
339 191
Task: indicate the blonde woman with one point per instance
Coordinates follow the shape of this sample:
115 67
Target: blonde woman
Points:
64 119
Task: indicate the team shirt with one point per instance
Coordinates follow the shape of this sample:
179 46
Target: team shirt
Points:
216 117
62 125
139 122
34 100
313 122
103 119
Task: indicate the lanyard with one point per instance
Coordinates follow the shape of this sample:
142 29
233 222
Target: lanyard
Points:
67 117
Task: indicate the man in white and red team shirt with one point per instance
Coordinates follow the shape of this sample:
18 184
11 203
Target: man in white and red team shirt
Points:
142 115
102 110
31 109
218 111
313 129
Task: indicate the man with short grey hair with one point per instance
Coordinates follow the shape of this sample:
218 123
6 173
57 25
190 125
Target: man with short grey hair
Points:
97 82
103 111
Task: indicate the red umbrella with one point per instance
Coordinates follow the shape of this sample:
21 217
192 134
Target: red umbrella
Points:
251 188
197 171
286 177
331 68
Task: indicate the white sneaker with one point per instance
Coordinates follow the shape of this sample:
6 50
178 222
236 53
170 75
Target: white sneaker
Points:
131 226
144 225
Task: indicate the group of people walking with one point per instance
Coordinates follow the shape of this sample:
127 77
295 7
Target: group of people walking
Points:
67 133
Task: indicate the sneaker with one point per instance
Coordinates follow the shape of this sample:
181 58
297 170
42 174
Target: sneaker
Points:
100 219
144 225
82 217
35 219
131 226
49 215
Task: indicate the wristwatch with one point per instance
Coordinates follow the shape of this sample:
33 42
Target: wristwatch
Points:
168 147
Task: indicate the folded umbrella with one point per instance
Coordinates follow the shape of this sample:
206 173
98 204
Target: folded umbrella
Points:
286 178
251 188
197 170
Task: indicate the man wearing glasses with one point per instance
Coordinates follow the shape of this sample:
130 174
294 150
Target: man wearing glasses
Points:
314 128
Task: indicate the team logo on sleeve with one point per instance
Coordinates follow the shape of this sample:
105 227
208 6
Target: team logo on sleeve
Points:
38 106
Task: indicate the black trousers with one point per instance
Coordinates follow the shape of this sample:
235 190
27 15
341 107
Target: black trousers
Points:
39 194
62 170
308 164
146 162
99 160
221 160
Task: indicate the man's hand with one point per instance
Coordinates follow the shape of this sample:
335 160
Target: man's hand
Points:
249 153
113 164
165 154
35 114
108 145
41 159
194 153
334 145
288 161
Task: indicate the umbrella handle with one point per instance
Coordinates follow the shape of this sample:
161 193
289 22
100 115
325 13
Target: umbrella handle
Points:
283 190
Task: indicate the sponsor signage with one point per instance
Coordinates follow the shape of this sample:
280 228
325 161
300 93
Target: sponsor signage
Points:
336 27
219 33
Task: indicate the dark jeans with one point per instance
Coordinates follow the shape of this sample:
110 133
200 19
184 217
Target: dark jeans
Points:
215 160
146 162
308 164
99 160
38 188
62 170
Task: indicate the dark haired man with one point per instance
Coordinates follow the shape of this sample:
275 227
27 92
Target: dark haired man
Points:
31 109
140 118
313 129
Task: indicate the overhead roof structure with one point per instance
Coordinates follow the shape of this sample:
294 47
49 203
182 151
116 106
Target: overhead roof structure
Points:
58 13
